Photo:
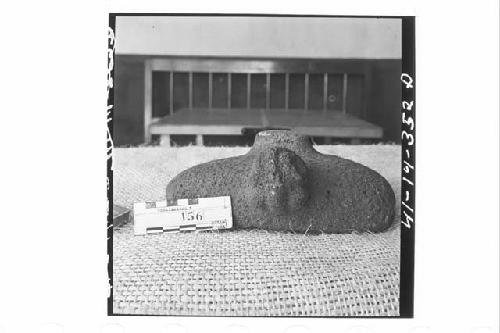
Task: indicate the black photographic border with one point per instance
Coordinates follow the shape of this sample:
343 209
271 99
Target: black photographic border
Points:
408 141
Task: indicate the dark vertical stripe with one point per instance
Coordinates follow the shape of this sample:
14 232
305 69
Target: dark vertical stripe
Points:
109 171
344 93
148 99
287 90
355 95
325 91
306 91
210 90
249 89
229 83
268 91
406 291
171 93
190 83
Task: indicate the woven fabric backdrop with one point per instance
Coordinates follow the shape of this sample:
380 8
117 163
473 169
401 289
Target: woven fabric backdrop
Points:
249 273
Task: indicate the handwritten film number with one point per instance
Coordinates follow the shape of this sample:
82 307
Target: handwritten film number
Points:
409 121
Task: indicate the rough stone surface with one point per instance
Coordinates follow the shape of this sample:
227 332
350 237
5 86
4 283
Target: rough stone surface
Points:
282 183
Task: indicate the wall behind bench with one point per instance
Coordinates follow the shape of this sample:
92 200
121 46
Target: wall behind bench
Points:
359 40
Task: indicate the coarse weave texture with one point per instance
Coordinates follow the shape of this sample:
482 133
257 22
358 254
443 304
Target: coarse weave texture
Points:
249 273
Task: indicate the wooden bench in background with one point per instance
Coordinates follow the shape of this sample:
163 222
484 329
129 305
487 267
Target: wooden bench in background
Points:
222 96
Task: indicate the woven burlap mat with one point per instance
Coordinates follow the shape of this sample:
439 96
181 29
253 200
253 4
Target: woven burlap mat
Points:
249 273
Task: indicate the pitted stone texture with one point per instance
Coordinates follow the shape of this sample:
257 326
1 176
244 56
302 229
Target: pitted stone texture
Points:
282 183
278 181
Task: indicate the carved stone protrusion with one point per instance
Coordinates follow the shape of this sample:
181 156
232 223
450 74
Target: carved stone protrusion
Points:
278 181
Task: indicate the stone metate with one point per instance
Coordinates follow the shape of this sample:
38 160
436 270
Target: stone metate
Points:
284 184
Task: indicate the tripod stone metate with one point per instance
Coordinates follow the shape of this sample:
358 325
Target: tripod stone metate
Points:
282 183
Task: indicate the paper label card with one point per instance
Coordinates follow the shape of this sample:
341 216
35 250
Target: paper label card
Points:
199 214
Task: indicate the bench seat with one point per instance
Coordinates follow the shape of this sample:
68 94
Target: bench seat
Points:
236 121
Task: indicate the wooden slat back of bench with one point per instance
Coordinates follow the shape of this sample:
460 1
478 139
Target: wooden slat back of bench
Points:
249 67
